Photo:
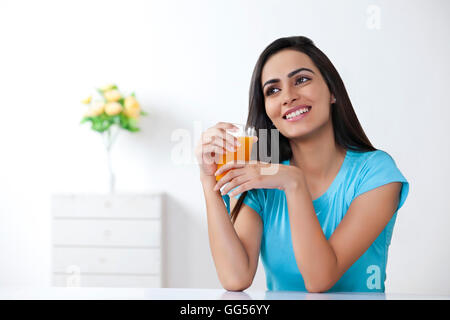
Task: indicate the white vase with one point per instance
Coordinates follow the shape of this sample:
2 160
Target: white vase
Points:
109 136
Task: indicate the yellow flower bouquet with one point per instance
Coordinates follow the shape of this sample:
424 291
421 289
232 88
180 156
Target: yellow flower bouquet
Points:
108 113
111 109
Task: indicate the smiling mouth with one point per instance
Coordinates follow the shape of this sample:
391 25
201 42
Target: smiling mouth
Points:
297 113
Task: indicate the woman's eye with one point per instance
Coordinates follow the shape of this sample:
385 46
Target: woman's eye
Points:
299 80
269 91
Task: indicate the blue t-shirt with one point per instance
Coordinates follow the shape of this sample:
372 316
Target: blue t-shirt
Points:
359 173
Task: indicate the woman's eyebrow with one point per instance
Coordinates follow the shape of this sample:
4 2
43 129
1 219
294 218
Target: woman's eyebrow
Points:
290 75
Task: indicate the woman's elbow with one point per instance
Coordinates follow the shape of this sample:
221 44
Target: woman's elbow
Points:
311 289
236 285
320 282
318 287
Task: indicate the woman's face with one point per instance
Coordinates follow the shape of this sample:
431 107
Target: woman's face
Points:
290 89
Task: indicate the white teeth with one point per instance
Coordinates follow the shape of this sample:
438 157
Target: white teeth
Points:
296 113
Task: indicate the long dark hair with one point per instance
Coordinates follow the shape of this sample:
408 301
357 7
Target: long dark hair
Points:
348 132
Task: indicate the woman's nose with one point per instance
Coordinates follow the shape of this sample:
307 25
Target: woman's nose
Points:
288 102
290 96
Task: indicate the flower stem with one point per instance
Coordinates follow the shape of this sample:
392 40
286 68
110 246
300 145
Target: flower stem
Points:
109 139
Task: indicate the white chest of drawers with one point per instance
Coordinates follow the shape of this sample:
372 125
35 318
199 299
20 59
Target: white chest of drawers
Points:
107 240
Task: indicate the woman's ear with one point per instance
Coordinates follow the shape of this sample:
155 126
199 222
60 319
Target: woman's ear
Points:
333 99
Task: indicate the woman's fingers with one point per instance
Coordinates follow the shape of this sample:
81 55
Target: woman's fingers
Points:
225 125
215 147
227 146
216 134
207 153
242 188
236 182
231 175
228 166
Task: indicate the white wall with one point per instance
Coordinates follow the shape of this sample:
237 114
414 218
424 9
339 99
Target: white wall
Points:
191 61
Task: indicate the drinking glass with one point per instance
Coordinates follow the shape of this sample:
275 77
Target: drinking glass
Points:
246 137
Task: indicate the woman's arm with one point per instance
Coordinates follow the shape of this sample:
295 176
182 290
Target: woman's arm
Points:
322 262
235 249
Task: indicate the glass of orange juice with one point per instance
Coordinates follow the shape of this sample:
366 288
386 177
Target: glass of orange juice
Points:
246 137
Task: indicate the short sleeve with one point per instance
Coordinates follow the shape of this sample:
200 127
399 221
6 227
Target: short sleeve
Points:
378 170
253 199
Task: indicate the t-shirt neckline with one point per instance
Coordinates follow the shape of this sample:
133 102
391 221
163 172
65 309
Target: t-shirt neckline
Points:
335 182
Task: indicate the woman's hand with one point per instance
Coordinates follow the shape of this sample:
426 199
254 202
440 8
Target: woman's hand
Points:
256 175
214 142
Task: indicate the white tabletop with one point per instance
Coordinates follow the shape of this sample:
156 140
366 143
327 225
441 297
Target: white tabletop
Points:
55 293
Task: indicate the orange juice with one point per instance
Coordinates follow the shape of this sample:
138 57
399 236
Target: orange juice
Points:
242 153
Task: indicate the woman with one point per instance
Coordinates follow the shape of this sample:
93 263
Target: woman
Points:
323 221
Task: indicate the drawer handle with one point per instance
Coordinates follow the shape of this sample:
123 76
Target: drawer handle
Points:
102 260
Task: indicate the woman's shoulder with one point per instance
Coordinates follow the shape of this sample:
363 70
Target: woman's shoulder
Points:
370 158
374 169
372 166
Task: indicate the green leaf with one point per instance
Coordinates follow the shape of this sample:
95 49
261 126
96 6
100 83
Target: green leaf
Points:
132 125
123 121
133 129
143 113
116 119
107 121
133 122
96 124
111 88
85 119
